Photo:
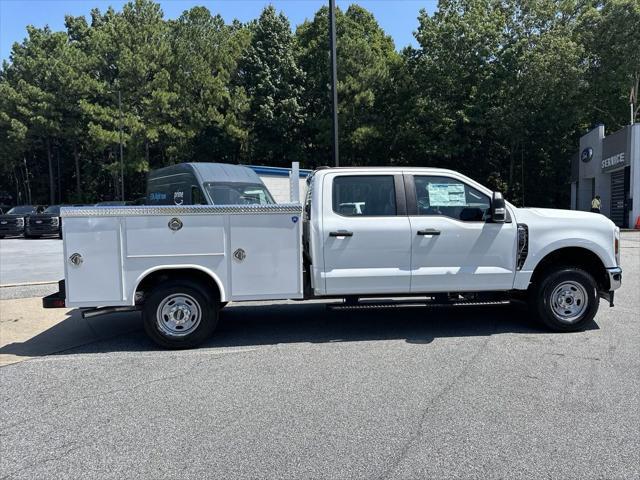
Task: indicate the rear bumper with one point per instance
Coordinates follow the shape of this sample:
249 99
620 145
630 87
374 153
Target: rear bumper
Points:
56 300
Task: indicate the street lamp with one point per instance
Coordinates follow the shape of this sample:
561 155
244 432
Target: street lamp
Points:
334 80
121 155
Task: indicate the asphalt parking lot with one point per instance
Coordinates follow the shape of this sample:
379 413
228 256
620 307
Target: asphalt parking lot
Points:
30 260
293 390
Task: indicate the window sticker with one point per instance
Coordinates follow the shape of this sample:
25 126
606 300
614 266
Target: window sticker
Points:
446 195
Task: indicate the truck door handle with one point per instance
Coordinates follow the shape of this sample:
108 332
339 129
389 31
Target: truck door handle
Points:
429 231
341 233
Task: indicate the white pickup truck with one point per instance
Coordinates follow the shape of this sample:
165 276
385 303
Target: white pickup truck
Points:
362 233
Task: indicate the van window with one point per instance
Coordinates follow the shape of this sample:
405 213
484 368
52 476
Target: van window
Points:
197 197
238 193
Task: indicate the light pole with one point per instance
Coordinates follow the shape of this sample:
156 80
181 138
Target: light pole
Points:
334 80
121 155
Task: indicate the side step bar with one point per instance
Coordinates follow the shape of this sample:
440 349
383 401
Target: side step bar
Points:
412 303
96 312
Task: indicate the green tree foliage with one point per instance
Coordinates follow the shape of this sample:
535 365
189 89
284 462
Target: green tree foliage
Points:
365 57
500 89
610 31
272 79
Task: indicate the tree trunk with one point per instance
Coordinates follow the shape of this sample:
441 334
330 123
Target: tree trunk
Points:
18 192
59 174
76 160
52 198
510 187
26 179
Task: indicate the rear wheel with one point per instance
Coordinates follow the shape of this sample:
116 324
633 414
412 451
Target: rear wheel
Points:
566 299
180 314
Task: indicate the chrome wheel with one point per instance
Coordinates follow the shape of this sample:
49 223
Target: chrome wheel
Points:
569 301
178 315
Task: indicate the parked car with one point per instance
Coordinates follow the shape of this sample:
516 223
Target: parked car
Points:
12 222
44 223
416 232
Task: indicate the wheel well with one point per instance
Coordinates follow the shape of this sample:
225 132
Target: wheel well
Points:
192 274
574 257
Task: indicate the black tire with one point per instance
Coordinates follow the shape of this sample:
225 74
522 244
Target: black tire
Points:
1 236
185 294
565 300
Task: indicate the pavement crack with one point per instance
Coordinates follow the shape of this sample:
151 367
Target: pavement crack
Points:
417 434
100 394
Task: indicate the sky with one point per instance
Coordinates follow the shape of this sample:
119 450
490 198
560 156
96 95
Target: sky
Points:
398 18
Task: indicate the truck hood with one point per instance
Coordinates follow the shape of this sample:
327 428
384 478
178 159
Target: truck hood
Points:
565 217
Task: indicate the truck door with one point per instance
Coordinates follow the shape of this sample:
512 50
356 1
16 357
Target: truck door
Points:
453 247
366 233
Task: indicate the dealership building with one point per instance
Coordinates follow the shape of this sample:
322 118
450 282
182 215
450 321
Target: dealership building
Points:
608 166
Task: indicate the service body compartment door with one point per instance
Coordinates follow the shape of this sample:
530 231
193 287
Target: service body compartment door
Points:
266 256
96 277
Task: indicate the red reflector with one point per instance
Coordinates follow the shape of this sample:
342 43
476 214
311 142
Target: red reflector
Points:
58 303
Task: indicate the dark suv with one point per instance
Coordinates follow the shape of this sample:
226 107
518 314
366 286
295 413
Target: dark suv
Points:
12 222
43 223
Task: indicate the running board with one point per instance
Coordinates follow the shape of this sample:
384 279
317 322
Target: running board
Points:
96 312
414 304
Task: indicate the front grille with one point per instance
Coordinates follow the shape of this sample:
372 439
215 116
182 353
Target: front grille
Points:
34 222
9 221
523 245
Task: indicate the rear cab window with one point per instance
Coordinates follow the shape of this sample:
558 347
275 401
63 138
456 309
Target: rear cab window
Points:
364 195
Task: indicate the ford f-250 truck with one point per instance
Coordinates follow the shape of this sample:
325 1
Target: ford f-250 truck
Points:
361 233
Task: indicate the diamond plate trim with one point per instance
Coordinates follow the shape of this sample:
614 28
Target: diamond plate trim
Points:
161 210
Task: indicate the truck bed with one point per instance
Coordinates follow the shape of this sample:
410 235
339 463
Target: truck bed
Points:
253 252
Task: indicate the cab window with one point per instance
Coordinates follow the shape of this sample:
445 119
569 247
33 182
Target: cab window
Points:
452 198
364 196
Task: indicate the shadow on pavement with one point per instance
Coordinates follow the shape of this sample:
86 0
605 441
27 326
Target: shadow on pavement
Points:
250 325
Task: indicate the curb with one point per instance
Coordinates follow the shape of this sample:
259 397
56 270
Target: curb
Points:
28 284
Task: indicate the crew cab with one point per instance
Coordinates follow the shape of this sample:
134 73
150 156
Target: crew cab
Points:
13 222
362 233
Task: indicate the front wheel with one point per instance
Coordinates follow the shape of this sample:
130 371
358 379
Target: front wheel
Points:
180 314
565 299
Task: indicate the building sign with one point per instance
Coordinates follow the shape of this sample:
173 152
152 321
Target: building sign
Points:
586 155
615 150
613 161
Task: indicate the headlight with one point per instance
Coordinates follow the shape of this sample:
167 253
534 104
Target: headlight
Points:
55 221
20 222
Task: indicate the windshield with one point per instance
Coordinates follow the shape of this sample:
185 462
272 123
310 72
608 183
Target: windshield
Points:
239 194
27 209
53 209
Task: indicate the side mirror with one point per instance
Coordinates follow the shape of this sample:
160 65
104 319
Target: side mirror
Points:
498 208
